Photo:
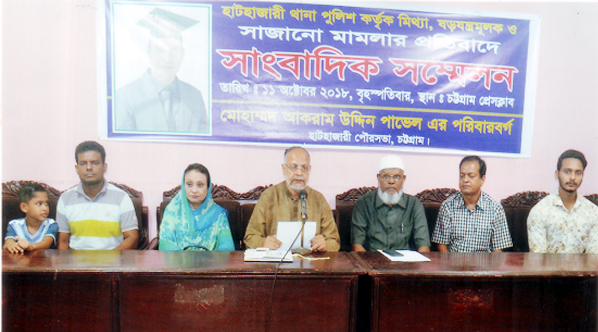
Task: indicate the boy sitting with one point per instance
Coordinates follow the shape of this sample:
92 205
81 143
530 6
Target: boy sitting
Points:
35 231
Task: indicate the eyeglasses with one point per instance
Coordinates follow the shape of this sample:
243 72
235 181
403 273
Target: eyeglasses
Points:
294 168
395 177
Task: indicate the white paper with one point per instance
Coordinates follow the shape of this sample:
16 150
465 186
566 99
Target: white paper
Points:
288 230
408 256
266 255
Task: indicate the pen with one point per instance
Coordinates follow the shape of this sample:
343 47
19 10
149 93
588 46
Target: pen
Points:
402 227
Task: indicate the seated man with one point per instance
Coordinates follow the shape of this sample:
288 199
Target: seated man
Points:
388 218
565 222
471 221
281 203
95 214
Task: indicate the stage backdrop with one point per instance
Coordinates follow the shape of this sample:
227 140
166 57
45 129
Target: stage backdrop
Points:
405 78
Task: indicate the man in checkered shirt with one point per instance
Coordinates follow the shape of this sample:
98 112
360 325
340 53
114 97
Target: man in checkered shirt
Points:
471 221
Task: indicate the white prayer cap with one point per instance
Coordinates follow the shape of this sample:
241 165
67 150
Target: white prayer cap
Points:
391 162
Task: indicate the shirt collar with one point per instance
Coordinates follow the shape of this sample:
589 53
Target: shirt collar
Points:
482 202
558 201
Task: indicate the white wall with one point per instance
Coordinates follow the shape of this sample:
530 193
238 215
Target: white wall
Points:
49 106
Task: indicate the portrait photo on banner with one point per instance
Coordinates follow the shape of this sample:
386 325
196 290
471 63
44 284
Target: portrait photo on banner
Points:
161 74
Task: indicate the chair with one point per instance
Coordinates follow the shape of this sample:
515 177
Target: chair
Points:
141 212
11 202
248 200
517 208
343 213
239 207
593 198
432 199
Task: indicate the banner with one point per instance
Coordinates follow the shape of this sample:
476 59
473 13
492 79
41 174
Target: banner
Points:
403 78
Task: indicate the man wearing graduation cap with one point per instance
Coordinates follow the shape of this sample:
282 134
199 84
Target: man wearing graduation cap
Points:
158 101
388 218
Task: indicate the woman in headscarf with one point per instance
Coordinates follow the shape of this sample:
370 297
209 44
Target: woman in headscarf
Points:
192 221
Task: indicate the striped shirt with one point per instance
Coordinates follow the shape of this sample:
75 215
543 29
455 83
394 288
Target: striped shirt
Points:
483 229
96 223
18 227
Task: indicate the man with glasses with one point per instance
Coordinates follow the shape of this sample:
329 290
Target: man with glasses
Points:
282 203
388 218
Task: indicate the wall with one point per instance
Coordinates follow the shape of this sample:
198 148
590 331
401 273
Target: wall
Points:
49 103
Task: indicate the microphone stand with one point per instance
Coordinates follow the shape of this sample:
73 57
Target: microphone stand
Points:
302 250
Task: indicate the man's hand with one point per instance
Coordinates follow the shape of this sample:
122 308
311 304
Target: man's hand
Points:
130 241
271 242
423 249
358 248
63 240
318 243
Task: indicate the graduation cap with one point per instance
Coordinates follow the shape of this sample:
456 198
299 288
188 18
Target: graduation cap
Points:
164 24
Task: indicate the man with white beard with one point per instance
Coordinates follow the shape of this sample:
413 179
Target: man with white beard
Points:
388 218
282 203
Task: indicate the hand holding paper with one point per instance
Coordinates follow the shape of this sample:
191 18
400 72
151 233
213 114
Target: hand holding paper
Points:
288 230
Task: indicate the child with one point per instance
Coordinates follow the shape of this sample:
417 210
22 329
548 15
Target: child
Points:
34 231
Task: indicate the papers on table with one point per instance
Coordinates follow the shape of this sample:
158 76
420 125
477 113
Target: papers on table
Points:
288 230
267 255
408 256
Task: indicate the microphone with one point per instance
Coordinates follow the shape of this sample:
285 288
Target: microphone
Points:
303 198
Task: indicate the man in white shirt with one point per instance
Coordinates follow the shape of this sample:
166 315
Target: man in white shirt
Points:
565 222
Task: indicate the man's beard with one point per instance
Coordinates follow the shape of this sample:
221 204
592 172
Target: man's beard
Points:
390 199
296 188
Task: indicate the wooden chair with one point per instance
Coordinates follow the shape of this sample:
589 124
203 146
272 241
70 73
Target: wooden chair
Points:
343 214
432 199
517 208
593 198
11 202
141 212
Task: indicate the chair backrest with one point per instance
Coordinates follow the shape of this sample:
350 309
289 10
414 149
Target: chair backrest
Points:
141 212
239 207
517 208
593 198
343 213
11 202
432 199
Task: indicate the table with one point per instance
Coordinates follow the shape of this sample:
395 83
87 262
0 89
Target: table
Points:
480 292
150 290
